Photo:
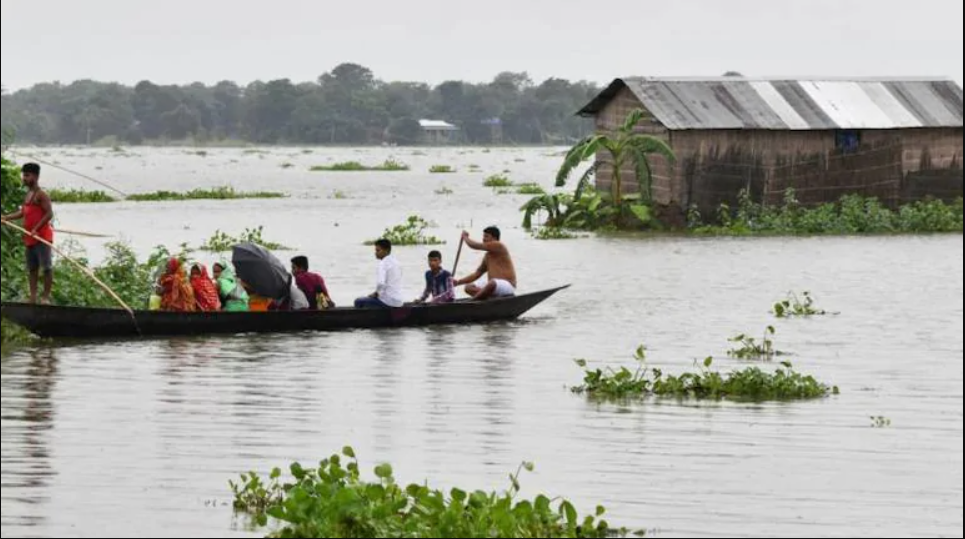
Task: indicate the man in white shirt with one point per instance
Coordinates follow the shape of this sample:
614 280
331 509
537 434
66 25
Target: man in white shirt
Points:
388 292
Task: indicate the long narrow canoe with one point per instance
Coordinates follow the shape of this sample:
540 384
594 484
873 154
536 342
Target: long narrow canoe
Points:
84 323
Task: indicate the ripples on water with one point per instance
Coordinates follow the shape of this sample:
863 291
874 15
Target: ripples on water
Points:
115 439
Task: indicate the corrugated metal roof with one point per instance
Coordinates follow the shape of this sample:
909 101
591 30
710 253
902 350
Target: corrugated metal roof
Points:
437 125
788 104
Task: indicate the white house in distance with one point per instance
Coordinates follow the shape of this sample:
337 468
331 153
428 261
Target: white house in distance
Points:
438 131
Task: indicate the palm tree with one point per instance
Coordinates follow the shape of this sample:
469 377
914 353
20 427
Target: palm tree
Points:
624 146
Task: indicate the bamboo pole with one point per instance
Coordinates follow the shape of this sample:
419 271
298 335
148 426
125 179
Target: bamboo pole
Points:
80 266
69 171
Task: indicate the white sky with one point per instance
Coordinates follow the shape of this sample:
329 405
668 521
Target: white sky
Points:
180 41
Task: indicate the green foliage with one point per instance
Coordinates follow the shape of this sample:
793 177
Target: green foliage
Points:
498 181
625 147
795 307
354 166
547 233
11 247
442 169
880 422
334 501
76 196
412 232
219 193
339 195
749 348
589 213
14 336
852 215
223 243
530 189
750 384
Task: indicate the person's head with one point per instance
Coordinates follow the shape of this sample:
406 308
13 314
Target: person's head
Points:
217 269
492 234
196 271
30 173
383 248
435 261
299 265
174 265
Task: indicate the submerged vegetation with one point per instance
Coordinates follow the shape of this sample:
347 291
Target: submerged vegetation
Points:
412 232
852 215
498 181
218 193
354 166
795 307
222 243
530 189
749 384
442 169
335 501
78 196
749 348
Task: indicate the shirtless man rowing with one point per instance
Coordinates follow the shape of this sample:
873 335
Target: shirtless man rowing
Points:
498 264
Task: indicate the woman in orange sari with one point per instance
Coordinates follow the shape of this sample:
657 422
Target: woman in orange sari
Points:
175 290
205 293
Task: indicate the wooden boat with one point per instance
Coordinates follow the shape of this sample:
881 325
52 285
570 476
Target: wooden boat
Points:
85 323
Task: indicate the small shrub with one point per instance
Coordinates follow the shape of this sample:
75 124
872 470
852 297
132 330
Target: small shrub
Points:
442 169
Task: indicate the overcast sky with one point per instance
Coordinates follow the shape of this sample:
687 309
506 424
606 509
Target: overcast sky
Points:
180 41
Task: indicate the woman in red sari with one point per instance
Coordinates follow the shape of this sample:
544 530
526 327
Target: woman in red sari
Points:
205 293
175 290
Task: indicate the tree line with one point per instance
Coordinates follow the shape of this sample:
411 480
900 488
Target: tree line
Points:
348 105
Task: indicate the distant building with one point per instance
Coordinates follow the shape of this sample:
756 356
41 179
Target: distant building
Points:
897 140
438 132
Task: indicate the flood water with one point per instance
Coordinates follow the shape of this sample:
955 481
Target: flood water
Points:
140 438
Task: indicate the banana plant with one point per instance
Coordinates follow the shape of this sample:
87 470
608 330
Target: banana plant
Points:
625 146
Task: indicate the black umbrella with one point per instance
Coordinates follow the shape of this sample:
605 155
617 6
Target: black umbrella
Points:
262 271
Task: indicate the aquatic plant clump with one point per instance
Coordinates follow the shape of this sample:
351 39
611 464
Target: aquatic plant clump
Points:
852 215
218 193
77 196
223 243
750 384
334 501
412 232
354 166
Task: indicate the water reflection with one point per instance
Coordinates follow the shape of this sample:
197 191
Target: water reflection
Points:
29 381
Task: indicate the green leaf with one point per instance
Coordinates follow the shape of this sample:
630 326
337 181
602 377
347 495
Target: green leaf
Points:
275 474
349 452
643 213
529 466
581 363
600 511
384 471
708 362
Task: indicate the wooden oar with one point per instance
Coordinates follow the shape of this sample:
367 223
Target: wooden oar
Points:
455 267
80 266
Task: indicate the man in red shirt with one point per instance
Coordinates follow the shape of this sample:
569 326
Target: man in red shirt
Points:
312 284
37 214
